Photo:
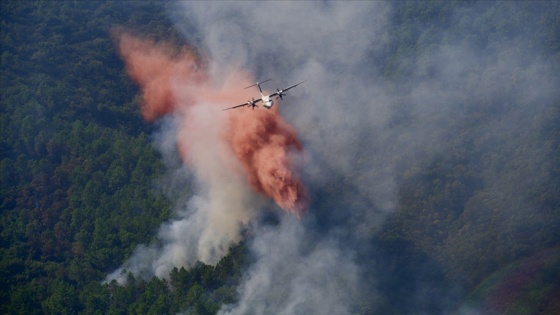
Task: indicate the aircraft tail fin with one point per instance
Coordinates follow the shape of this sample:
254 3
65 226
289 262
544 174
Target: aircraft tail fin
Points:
258 84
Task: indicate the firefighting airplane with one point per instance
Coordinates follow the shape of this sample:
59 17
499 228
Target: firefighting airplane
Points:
267 100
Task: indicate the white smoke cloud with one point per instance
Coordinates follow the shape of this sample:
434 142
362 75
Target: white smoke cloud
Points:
327 44
209 222
298 274
360 132
354 123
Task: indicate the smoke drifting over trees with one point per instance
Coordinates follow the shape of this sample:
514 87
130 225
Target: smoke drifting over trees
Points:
415 172
266 148
376 121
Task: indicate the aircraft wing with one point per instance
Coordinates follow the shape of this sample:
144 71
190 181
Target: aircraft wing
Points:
244 104
236 106
284 90
293 86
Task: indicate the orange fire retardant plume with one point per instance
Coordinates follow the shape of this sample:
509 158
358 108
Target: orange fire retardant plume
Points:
172 81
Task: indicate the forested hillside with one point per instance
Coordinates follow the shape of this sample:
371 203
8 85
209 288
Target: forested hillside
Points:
498 180
79 173
78 168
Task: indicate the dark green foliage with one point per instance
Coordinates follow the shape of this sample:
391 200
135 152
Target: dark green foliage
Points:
200 290
77 169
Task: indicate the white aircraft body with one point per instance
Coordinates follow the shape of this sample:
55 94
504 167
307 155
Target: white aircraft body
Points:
267 100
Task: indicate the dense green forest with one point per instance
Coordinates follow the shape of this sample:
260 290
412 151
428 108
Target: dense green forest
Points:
78 170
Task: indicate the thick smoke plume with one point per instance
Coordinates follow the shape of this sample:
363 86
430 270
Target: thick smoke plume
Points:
226 151
401 114
388 96
266 145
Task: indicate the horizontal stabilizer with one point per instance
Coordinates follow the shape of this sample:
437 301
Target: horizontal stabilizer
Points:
258 84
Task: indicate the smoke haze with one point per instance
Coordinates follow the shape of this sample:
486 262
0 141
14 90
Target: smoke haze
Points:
173 82
370 123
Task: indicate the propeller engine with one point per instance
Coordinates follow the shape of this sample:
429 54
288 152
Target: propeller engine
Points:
280 94
252 103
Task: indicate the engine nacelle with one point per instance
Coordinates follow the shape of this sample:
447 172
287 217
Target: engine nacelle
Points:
268 104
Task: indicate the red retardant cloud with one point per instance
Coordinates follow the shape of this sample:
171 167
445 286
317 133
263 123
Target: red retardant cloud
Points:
265 144
172 81
154 67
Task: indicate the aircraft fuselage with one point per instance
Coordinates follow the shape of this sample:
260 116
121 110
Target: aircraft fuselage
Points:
268 102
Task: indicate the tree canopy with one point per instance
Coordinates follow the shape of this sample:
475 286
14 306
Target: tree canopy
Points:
77 173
